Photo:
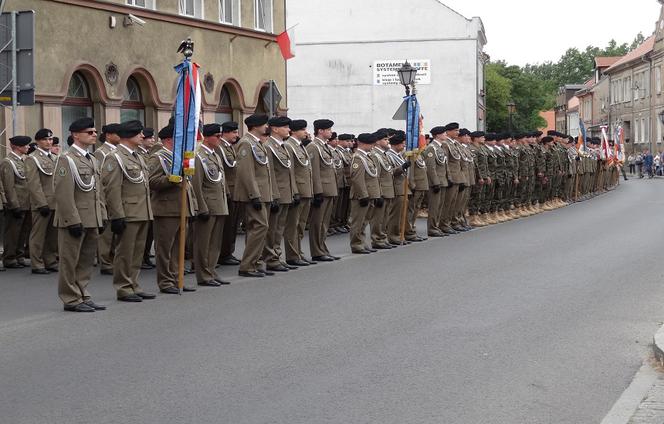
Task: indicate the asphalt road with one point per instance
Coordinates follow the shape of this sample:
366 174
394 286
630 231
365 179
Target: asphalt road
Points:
541 320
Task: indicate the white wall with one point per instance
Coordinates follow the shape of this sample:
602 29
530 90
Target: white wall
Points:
332 76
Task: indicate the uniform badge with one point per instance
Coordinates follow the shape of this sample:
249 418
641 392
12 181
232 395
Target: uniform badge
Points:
355 166
109 166
430 155
243 153
62 172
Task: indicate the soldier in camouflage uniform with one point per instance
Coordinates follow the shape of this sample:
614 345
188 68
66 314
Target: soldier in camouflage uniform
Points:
476 207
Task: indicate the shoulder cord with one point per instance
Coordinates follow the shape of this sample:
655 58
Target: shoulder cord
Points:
135 180
207 170
230 164
367 168
253 150
306 155
386 167
288 161
40 167
77 177
320 153
13 165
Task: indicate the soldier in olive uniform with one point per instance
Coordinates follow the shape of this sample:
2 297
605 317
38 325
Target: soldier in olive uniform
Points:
298 214
209 186
14 181
226 150
43 235
145 149
127 193
343 208
436 164
324 188
107 240
418 184
459 221
455 176
396 154
165 197
364 192
283 172
253 188
337 160
479 191
379 239
489 215
79 216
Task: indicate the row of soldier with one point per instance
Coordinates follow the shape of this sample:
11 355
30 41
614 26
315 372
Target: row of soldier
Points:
277 181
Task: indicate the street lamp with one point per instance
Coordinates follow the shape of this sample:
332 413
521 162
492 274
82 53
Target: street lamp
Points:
511 109
407 77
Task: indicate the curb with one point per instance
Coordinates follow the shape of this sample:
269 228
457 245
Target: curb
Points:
658 345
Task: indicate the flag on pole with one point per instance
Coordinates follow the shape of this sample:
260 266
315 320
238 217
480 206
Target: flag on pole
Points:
581 144
422 142
604 148
187 119
412 123
286 44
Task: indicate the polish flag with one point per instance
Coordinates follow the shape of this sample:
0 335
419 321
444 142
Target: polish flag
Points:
286 44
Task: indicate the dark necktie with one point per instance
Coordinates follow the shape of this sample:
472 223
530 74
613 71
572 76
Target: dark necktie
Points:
87 156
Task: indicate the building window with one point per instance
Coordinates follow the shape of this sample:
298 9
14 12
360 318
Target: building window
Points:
263 15
637 134
229 12
224 112
645 130
658 80
77 104
626 90
148 4
192 8
132 107
659 131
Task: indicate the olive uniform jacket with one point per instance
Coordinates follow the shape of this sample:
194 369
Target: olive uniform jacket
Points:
399 175
165 195
253 175
226 152
455 173
127 189
209 183
103 151
77 190
323 172
385 172
14 181
417 175
283 170
301 167
338 167
436 163
39 168
364 182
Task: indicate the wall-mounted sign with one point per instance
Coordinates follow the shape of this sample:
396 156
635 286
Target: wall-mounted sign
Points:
385 71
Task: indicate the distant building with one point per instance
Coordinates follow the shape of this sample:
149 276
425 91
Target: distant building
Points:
565 93
347 52
550 117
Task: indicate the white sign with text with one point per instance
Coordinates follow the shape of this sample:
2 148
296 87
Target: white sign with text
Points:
385 71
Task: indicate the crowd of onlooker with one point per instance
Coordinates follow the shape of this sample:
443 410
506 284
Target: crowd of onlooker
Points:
646 163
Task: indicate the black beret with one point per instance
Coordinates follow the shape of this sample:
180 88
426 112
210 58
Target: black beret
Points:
56 140
211 129
344 137
452 126
82 124
43 133
229 126
323 124
490 137
397 138
477 134
437 130
130 129
166 132
298 124
70 140
20 140
464 131
519 136
538 133
552 133
546 139
256 120
279 121
381 134
148 132
366 138
102 138
110 128
32 147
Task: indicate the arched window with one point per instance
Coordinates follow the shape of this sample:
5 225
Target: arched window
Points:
132 107
224 112
77 104
260 106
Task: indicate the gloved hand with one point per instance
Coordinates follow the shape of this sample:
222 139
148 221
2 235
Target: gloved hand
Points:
436 189
318 200
364 202
118 225
44 211
274 206
101 229
405 165
462 187
578 158
296 199
379 202
16 213
203 216
75 230
256 203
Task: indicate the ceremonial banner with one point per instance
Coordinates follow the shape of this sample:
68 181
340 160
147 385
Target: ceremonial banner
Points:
187 116
604 148
412 123
581 144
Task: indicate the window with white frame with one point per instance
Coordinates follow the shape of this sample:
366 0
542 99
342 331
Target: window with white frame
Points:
658 80
626 90
148 4
229 12
263 15
191 8
637 132
634 87
646 129
659 131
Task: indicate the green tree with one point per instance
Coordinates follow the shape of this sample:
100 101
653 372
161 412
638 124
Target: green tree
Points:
498 94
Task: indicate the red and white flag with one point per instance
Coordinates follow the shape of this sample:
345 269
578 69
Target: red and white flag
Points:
286 43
